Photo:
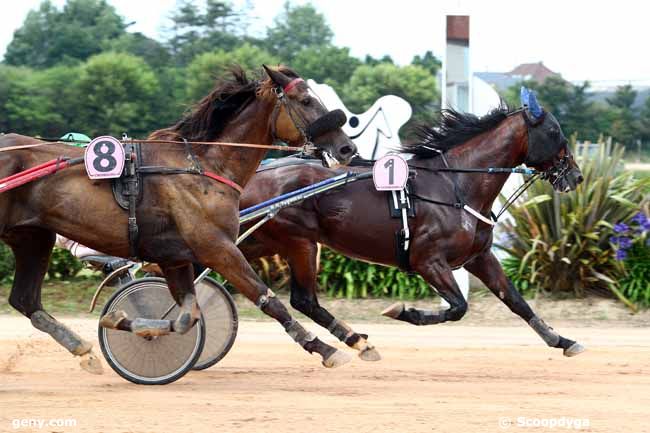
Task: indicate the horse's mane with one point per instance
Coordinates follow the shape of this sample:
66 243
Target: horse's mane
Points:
454 128
208 117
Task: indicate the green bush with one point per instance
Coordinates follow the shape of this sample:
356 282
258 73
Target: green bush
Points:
560 242
343 277
63 264
632 244
7 263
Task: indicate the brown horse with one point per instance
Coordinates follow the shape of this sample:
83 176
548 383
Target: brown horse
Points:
354 219
182 218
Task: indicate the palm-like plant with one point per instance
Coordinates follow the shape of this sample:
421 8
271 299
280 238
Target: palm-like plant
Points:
561 241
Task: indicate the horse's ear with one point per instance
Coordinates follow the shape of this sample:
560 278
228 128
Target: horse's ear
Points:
277 77
525 96
534 107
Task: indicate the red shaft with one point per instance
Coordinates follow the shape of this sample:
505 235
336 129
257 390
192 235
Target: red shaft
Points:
32 174
29 170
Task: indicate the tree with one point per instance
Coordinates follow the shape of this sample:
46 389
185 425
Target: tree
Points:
152 51
49 36
413 83
326 64
205 68
644 121
624 128
428 62
38 102
195 31
372 61
298 27
119 91
569 103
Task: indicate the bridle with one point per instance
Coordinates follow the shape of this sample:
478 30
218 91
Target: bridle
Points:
560 166
558 170
308 130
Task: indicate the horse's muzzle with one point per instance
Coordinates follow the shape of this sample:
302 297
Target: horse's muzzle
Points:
329 161
569 181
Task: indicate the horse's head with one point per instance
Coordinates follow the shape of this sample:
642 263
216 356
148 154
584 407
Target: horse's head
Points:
300 118
548 149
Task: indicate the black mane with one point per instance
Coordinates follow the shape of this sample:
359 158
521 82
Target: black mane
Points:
209 116
454 128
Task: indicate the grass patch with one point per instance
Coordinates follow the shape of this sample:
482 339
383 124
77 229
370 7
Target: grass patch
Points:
62 297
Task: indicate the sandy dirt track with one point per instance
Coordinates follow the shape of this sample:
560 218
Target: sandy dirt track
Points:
434 379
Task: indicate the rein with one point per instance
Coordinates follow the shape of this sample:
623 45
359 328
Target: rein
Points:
48 141
460 201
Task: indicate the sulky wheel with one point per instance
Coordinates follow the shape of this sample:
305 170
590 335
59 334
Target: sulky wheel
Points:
152 360
220 317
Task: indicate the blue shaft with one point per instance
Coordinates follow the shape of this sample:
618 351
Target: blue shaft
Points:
294 193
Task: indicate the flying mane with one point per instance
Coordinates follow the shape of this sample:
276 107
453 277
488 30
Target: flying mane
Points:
454 128
208 117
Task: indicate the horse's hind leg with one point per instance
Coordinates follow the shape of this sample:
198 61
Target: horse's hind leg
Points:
488 269
180 279
231 263
303 298
32 248
438 274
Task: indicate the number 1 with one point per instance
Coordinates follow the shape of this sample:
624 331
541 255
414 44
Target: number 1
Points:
390 165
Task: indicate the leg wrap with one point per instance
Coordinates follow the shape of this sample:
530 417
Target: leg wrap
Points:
150 327
343 332
547 333
263 300
61 334
422 317
299 334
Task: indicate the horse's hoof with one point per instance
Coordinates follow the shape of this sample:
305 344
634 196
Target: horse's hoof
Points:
574 349
337 359
394 310
91 363
370 354
112 320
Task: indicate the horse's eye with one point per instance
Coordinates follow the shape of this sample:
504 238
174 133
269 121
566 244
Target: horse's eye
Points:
306 101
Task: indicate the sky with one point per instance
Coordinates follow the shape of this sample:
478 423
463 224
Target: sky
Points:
598 40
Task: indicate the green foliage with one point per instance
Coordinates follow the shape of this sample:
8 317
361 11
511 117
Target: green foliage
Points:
624 126
635 284
31 101
139 45
296 28
429 62
326 64
205 68
63 265
196 30
561 241
50 36
118 91
7 263
343 277
413 83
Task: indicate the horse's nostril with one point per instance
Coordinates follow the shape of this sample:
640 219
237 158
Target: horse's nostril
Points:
580 179
345 150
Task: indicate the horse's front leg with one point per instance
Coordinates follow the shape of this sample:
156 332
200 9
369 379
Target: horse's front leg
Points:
180 279
231 264
488 269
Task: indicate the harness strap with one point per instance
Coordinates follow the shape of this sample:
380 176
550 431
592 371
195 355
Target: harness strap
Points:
293 83
223 180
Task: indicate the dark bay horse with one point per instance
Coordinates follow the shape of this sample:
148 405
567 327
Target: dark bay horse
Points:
354 220
182 218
